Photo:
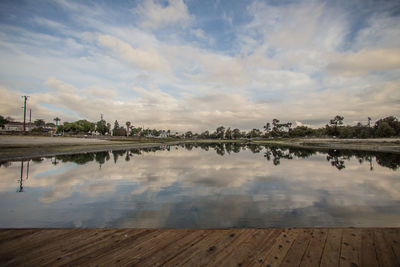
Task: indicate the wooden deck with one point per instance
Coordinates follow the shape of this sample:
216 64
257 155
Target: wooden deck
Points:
214 247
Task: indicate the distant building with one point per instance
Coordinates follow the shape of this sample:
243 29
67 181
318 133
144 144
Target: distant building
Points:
49 129
163 135
17 126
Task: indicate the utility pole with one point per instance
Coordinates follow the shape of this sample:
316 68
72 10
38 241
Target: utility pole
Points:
21 180
101 115
30 116
25 98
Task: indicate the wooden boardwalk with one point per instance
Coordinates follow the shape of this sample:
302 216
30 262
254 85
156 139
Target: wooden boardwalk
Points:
201 247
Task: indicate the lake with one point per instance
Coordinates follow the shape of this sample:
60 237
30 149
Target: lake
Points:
203 186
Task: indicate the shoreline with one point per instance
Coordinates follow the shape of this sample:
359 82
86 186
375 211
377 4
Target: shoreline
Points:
371 145
17 148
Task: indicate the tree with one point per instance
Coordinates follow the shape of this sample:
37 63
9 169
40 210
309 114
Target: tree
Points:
220 132
60 129
301 131
267 128
39 123
254 133
117 130
56 119
188 134
384 130
128 123
337 120
332 128
392 123
3 121
81 126
135 131
85 126
276 127
101 127
236 133
205 135
155 132
228 133
116 127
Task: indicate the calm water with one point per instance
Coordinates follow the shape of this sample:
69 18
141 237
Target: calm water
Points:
203 186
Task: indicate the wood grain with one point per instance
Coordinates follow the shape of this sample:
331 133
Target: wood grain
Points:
201 247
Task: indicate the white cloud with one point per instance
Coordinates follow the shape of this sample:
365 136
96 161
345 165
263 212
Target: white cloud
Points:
145 58
154 15
157 109
365 61
297 25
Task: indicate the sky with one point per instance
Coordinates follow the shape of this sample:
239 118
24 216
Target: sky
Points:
196 65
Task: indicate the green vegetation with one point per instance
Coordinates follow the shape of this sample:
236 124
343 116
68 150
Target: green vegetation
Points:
3 121
335 128
77 127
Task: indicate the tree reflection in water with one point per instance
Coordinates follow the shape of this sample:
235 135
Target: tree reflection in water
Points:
337 158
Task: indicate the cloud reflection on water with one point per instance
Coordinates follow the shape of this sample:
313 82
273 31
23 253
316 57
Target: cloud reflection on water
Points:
193 187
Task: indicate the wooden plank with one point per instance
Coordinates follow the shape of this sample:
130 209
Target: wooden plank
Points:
350 247
219 248
99 251
245 250
61 250
298 249
392 237
331 253
206 244
225 254
384 251
276 253
133 255
7 235
313 254
256 256
27 242
212 247
30 246
162 256
368 250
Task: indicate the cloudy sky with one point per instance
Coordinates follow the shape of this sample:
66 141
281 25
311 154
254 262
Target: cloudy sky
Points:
199 64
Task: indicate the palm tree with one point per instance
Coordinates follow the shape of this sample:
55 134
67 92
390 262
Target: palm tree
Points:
56 119
128 123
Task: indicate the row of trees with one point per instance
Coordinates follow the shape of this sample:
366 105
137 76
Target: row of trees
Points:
386 127
131 130
104 128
